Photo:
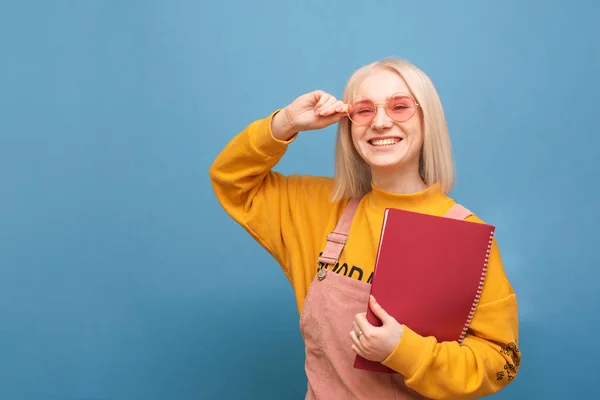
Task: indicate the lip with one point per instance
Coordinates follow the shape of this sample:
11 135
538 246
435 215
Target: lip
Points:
387 147
390 147
384 138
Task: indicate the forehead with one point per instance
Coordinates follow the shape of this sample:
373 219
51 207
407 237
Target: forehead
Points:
381 84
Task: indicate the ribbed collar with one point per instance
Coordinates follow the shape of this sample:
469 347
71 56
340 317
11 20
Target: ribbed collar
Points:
430 198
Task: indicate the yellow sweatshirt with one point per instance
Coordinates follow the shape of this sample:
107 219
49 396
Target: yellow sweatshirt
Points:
290 216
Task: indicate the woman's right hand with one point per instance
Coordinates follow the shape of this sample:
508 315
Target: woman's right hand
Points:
314 110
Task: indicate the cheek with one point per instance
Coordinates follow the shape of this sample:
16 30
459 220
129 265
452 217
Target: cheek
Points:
419 129
355 135
416 131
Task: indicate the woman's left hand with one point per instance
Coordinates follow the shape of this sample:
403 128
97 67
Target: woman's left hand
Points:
375 343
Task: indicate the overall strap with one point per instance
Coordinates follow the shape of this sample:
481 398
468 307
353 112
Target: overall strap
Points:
337 239
458 212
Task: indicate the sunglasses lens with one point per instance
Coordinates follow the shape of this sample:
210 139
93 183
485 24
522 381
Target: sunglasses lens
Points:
361 110
401 107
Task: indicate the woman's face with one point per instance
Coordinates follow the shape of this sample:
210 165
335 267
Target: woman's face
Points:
384 143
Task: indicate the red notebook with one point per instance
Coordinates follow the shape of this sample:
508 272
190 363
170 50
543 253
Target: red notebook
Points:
428 274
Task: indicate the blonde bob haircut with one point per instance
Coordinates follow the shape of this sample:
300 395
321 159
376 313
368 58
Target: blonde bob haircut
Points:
353 175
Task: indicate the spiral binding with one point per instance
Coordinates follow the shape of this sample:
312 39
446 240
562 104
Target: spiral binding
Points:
479 290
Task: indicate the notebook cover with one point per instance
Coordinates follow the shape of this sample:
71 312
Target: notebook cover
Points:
427 275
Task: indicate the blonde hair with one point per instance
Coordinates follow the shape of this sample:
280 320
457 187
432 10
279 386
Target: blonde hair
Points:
353 175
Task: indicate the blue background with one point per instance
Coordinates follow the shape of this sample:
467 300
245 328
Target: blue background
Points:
122 278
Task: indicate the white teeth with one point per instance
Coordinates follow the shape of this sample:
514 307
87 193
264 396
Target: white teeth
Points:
384 142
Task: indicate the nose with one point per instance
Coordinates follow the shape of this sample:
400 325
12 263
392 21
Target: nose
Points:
382 120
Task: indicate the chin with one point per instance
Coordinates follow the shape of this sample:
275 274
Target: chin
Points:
385 165
384 158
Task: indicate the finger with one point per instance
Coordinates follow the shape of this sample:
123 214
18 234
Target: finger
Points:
357 329
331 119
326 108
379 311
343 108
363 324
358 351
356 342
321 98
335 106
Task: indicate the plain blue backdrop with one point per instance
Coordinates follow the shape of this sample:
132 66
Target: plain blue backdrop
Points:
122 278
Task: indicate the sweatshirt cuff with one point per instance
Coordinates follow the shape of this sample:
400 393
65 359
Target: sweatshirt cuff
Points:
263 140
410 353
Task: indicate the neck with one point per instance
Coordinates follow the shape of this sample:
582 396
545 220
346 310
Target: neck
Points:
398 181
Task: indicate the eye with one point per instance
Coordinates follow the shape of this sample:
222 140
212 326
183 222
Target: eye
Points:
364 111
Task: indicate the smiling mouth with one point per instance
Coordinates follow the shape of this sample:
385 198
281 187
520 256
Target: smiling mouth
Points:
384 142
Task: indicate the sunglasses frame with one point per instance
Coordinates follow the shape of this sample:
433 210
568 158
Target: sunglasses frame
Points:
384 103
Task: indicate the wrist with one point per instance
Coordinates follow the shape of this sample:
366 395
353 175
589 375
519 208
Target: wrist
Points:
282 126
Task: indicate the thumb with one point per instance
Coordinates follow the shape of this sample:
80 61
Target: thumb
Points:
380 312
332 119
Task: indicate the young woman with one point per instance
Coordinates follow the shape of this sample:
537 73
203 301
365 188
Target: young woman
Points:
393 150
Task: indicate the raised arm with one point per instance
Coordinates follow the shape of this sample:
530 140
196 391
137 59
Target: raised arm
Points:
258 198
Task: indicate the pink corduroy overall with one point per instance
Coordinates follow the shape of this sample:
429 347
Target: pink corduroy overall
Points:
327 317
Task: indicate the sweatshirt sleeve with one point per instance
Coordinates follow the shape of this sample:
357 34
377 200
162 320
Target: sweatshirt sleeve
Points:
488 358
259 199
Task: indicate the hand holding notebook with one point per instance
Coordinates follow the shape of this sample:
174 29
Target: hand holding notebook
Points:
375 342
